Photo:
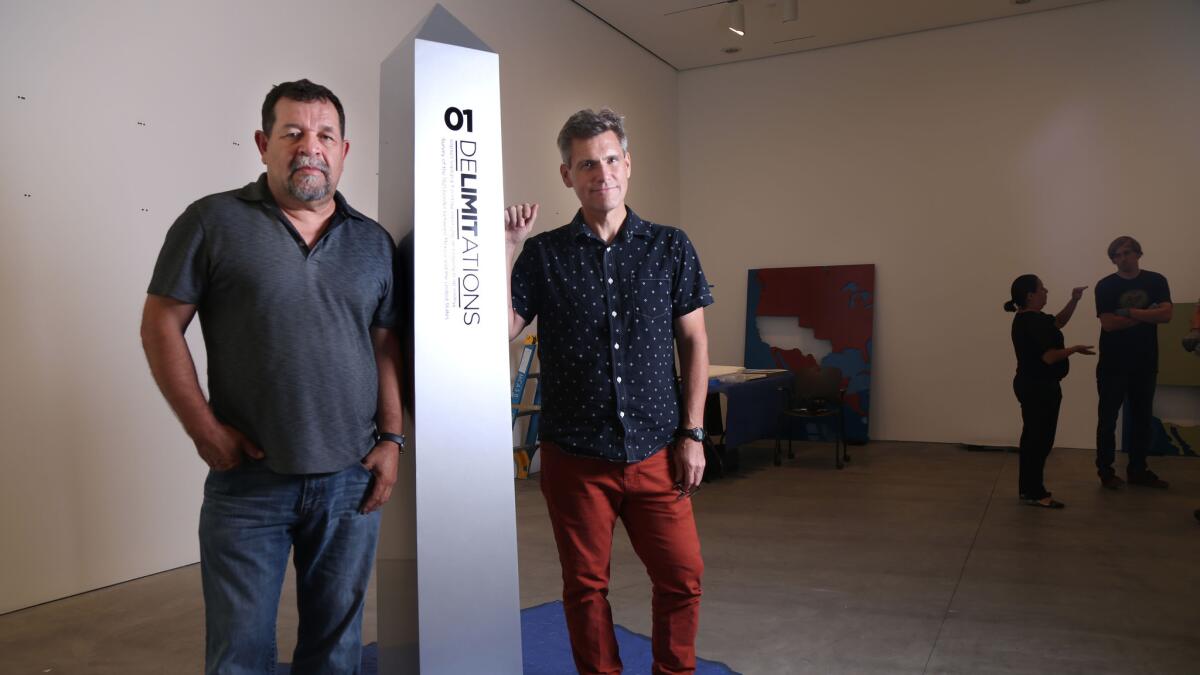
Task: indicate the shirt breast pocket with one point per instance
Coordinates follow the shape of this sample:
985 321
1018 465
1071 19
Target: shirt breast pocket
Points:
652 297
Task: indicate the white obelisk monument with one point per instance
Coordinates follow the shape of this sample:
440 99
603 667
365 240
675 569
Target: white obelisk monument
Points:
448 600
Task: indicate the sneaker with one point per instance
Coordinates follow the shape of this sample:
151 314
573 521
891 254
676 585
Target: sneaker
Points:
1111 481
1147 478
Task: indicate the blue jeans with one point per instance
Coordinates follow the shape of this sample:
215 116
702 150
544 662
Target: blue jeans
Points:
251 519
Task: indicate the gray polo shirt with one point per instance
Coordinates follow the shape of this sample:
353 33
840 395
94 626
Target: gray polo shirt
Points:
287 329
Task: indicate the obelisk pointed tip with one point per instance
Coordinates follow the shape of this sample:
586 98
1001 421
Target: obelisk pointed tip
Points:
442 26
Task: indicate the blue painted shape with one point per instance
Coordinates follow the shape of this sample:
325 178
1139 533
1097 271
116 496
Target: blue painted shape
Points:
857 370
863 298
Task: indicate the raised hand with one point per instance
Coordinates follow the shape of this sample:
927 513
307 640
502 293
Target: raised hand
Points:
1077 292
518 222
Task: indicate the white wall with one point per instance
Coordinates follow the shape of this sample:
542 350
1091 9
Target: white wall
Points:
954 160
98 484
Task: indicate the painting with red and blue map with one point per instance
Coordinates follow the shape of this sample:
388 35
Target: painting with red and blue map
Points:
808 317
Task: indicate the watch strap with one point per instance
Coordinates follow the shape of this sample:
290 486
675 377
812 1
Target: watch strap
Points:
398 439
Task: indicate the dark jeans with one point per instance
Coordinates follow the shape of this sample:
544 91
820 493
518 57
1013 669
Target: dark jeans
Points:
251 519
1114 388
1040 402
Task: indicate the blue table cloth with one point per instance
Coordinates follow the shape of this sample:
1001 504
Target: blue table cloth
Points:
752 408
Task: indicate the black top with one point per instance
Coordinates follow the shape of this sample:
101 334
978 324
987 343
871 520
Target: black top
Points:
1134 348
1034 334
286 329
606 329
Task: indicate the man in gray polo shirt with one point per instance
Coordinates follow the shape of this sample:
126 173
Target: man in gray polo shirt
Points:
294 290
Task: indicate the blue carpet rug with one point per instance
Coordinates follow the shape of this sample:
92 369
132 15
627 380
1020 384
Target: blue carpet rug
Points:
546 649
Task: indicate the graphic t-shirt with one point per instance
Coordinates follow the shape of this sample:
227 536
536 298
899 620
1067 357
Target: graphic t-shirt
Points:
1134 348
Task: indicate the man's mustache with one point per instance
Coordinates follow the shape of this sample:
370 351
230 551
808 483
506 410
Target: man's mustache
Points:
306 162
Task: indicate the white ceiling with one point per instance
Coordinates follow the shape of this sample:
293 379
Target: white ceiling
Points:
693 33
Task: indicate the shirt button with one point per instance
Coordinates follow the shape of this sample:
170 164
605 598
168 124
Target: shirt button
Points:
614 313
610 280
616 346
618 379
621 414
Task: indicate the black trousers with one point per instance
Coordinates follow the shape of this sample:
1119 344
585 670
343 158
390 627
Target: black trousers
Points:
1114 388
1040 401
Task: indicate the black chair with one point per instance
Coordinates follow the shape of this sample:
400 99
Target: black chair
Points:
815 398
715 463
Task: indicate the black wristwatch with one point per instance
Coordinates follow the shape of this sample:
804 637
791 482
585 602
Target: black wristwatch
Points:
398 439
695 433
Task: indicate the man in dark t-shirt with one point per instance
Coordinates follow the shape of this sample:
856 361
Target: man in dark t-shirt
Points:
300 430
1130 303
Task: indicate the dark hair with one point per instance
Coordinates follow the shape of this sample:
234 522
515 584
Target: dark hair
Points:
587 124
1122 241
1022 286
302 91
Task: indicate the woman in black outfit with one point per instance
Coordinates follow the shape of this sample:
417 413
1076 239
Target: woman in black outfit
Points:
1041 362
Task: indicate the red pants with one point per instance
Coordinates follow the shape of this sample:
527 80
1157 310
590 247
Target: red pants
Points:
585 497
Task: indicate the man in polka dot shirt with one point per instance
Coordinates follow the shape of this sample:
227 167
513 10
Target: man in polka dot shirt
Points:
615 296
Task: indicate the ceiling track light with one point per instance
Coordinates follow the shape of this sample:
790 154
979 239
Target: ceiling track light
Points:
735 17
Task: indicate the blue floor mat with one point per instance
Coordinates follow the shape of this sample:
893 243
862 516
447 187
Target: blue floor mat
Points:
546 648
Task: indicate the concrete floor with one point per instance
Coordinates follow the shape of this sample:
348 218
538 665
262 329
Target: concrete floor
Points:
917 558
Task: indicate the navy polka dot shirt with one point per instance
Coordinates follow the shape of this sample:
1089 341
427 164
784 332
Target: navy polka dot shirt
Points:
606 331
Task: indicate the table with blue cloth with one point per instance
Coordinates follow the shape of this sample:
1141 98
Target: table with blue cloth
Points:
752 411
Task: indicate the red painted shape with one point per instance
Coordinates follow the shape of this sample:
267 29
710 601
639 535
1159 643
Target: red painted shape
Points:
793 359
854 402
818 298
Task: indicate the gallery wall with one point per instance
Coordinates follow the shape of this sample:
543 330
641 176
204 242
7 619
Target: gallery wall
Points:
954 160
119 115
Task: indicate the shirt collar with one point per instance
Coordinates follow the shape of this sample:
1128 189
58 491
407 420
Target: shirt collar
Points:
632 227
258 191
